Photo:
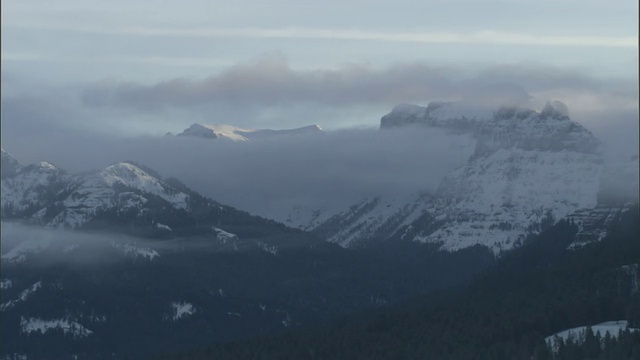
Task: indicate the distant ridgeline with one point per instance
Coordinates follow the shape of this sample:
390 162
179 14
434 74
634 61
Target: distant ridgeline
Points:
123 263
124 197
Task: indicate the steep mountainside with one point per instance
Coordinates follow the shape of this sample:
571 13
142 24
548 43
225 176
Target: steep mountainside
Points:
529 169
123 197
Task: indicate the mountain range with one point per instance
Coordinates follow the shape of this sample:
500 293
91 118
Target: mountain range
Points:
234 133
206 272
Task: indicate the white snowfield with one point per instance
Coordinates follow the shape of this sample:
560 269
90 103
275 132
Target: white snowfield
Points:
223 235
613 328
135 251
22 297
182 309
134 177
37 325
234 133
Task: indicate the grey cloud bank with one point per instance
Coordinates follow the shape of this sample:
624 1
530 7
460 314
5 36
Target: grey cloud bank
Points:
340 167
271 81
90 126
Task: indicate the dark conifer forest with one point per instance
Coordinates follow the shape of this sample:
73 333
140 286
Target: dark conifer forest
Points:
531 293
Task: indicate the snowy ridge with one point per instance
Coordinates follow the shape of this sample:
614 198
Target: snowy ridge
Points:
133 177
224 236
303 215
22 297
30 187
61 201
37 325
136 251
234 133
374 218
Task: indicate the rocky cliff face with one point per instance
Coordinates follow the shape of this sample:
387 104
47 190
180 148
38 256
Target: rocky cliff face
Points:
529 170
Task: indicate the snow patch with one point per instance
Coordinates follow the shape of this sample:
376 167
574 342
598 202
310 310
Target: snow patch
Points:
224 236
22 297
163 227
182 309
37 325
6 284
270 249
234 133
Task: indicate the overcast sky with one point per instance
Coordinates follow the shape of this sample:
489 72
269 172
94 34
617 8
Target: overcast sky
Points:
86 83
149 67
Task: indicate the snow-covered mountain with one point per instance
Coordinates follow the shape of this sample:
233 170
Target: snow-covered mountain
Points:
221 131
528 170
123 196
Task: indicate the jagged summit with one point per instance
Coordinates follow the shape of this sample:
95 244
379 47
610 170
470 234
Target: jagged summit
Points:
235 133
403 114
528 170
506 126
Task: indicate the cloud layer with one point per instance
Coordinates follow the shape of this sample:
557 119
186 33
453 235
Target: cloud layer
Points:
269 82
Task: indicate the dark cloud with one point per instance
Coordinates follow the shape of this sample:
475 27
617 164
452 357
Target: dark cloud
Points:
268 93
270 81
339 168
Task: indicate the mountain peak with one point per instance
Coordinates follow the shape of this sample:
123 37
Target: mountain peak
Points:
403 114
555 109
234 133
